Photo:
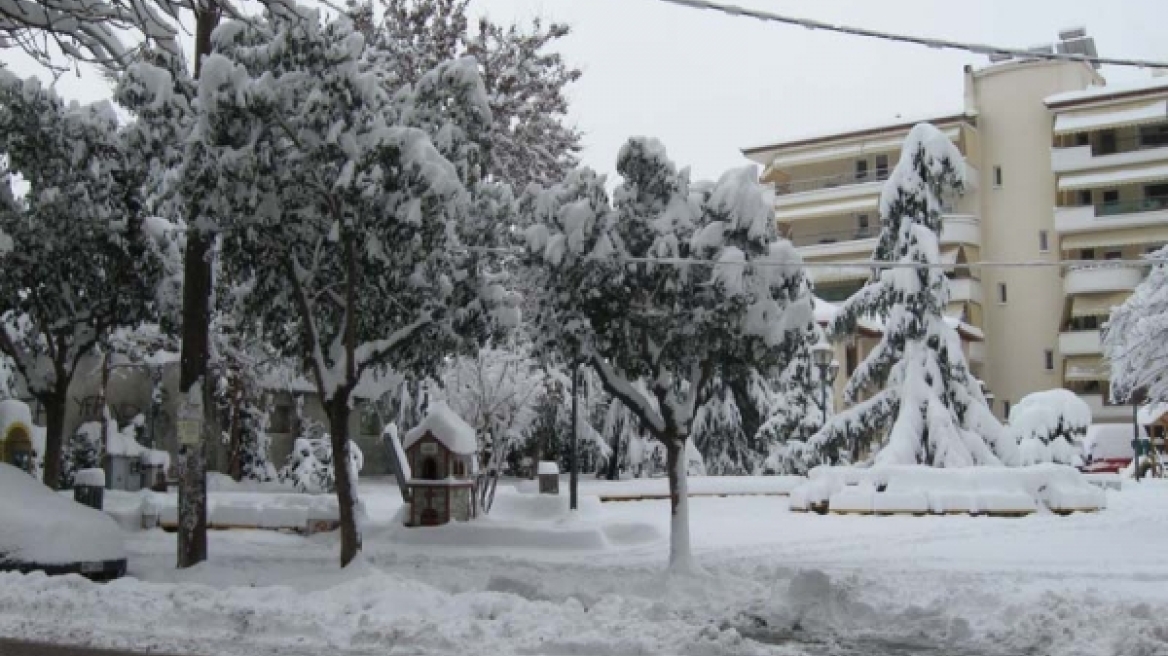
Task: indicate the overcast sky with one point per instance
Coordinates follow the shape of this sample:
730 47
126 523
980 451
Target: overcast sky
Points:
707 84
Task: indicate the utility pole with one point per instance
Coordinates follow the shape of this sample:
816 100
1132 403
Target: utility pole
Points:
573 460
196 319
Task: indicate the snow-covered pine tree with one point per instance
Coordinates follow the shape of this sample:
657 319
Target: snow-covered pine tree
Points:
79 265
348 252
1049 426
529 139
721 432
1135 336
797 413
670 286
930 404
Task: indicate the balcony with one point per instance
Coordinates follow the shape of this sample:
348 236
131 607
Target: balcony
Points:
963 290
1120 152
1105 412
1101 278
1103 216
829 182
960 229
1080 342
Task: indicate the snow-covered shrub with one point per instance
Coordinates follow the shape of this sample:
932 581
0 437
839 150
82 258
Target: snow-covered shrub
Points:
1049 426
310 465
1135 336
83 450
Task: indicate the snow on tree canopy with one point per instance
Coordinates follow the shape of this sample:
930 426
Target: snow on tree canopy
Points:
447 427
662 290
1049 426
931 404
1136 336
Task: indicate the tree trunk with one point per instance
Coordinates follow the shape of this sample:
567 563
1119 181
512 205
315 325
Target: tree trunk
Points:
338 412
680 556
614 459
196 319
54 403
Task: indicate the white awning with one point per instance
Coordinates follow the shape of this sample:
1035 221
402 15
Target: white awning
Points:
1124 237
1086 367
1127 175
1112 117
1096 305
870 203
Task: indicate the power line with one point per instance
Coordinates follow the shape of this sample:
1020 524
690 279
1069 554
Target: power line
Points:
937 44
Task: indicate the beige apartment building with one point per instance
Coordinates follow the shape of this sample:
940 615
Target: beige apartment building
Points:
1059 166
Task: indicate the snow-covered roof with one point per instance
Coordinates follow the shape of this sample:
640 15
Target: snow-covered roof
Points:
14 412
1151 413
447 427
1111 117
825 312
1152 84
548 467
967 331
861 129
1109 441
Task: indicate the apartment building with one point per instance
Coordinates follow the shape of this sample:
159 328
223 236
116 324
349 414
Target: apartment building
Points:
1058 165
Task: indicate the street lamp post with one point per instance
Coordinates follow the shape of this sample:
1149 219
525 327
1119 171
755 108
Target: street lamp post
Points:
822 355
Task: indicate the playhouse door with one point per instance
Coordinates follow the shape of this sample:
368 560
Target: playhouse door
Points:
430 517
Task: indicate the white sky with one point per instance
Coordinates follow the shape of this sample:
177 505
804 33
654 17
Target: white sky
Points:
708 84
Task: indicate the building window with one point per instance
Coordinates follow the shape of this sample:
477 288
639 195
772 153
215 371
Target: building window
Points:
281 419
1043 241
1085 197
997 176
1087 254
862 226
1107 143
1002 292
1048 359
1111 197
1154 135
1113 255
882 167
1082 139
861 169
851 359
1005 408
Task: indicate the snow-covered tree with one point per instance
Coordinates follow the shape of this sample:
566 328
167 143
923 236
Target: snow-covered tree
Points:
79 264
930 404
669 285
1135 336
347 248
529 139
1049 426
495 392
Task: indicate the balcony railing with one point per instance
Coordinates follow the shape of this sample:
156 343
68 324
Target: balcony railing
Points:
833 236
1128 144
830 181
1131 206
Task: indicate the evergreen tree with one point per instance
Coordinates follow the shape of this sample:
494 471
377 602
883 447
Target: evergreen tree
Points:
930 404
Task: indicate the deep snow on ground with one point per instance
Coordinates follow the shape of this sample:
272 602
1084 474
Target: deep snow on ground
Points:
775 583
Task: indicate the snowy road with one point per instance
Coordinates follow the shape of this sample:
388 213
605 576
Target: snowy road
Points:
19 648
775 583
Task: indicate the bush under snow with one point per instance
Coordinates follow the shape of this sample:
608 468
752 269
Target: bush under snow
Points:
1049 426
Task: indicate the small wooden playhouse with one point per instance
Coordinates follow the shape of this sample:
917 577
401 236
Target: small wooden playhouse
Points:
443 466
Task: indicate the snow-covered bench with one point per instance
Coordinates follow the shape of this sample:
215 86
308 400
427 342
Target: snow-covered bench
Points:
992 491
308 513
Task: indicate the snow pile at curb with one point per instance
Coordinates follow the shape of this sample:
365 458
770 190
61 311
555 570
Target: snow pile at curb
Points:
538 522
974 490
698 486
41 527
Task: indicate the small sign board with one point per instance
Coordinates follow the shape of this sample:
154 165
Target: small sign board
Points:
429 448
190 425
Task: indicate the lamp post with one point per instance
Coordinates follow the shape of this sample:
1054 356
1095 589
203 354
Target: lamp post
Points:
822 355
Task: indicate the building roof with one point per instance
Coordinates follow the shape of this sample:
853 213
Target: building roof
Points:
1109 92
860 131
446 427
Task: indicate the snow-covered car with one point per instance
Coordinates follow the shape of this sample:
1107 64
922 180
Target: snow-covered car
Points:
41 530
1107 448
